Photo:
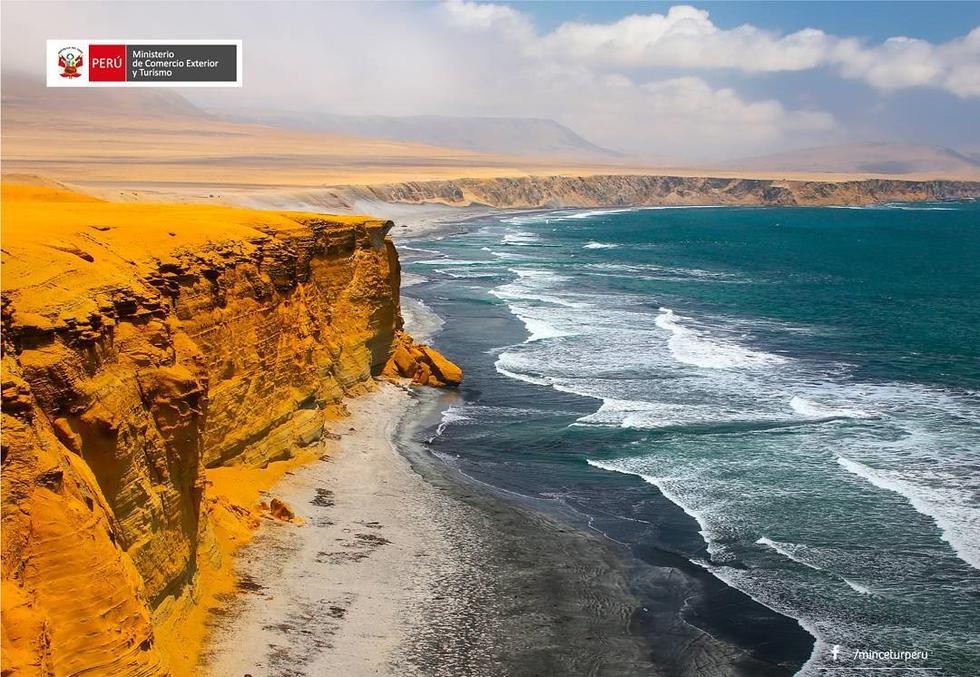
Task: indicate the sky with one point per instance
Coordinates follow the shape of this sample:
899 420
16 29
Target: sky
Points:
699 81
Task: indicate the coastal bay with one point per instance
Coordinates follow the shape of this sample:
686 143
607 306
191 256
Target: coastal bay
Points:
407 564
485 338
695 382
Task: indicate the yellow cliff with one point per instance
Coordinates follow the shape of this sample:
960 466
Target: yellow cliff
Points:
161 364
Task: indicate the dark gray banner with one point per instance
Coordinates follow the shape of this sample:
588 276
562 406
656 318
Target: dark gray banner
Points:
182 63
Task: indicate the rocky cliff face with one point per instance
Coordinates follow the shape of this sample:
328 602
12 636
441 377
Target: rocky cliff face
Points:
531 192
142 344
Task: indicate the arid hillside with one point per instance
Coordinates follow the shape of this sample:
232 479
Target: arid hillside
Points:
895 159
152 145
151 142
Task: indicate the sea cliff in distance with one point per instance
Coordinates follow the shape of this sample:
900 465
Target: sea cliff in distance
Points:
644 190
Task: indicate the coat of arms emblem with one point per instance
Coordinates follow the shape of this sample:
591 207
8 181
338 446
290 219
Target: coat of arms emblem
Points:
70 61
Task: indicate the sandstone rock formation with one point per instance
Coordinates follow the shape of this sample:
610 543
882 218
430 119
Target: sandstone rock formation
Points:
423 364
143 344
632 190
280 510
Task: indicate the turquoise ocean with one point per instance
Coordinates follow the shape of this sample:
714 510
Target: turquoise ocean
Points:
786 400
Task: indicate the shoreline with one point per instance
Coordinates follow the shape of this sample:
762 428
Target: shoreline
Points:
392 589
403 565
680 598
677 615
322 597
400 569
418 222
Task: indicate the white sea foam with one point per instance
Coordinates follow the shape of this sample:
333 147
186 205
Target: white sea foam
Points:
661 207
897 205
662 485
499 367
520 238
651 272
599 245
958 522
531 285
786 550
908 207
857 587
449 416
791 551
614 411
596 212
532 218
517 293
576 215
539 329
815 410
513 256
456 262
542 300
411 279
420 320
467 274
696 348
643 415
408 248
546 276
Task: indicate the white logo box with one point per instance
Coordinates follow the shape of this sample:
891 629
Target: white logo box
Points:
54 70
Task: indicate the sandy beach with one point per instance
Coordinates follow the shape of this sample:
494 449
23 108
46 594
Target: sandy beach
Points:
337 593
396 570
404 566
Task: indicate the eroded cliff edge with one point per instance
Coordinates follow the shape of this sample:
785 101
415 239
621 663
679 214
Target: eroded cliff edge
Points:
638 190
143 344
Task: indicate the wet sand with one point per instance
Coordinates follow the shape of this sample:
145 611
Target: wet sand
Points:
394 573
403 566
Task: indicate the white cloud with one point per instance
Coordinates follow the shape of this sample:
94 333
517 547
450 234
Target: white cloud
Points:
488 16
906 62
685 117
686 38
587 77
657 85
963 79
683 38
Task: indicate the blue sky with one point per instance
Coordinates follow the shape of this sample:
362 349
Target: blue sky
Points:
933 21
701 81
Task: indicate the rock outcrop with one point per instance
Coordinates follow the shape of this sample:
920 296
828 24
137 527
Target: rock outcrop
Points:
422 364
143 344
632 190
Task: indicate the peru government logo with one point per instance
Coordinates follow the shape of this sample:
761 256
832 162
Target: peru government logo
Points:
70 61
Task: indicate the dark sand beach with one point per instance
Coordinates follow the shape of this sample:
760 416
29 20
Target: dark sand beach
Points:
405 566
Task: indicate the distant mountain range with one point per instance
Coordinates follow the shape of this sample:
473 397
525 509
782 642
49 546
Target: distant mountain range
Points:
866 158
523 137
503 136
505 140
21 92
